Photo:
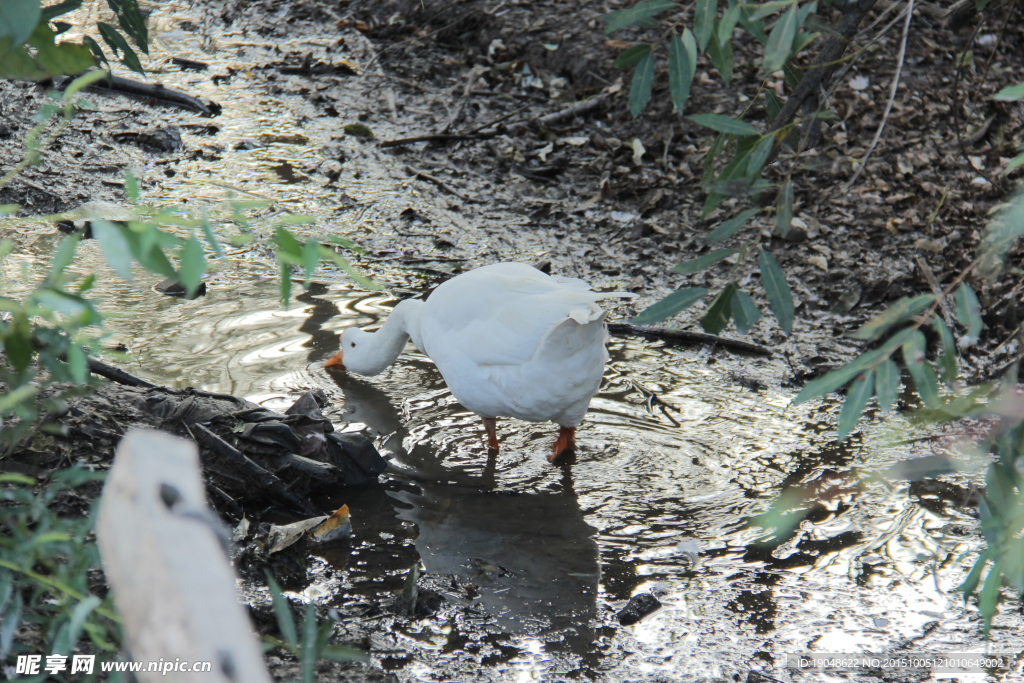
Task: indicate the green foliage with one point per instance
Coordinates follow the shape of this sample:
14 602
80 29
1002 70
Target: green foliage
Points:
777 290
703 262
641 14
682 65
669 306
47 335
1001 509
45 561
720 311
29 51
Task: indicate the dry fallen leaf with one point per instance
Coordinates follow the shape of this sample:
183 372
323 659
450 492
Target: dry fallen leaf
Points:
338 525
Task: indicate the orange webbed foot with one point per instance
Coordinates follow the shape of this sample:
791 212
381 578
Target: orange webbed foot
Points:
565 444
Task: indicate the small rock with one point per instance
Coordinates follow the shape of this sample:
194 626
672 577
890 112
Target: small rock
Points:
70 227
358 130
245 146
639 607
172 287
544 266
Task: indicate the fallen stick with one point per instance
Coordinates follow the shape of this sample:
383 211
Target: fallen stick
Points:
152 91
471 134
437 181
234 460
681 337
117 375
437 137
578 109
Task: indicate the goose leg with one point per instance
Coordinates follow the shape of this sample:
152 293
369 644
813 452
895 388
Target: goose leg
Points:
491 425
566 442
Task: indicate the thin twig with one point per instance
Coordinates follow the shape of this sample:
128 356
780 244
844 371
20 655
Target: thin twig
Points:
995 48
437 181
892 99
933 282
838 78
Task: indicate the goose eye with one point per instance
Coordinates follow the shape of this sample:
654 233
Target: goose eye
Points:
352 344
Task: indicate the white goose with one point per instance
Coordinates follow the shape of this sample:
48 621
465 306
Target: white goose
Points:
509 340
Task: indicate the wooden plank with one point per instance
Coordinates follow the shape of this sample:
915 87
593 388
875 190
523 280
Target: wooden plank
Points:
164 555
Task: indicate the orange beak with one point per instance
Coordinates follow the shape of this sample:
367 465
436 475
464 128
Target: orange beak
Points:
335 360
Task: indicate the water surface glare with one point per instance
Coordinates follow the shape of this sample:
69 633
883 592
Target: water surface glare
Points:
676 456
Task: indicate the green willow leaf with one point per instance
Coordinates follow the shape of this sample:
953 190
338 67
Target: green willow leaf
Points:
117 43
641 14
723 32
78 364
18 19
669 306
730 227
773 104
115 246
704 21
632 55
947 361
759 156
840 376
310 259
900 312
744 312
53 11
640 87
131 21
784 208
722 57
921 371
856 400
724 124
777 290
720 310
988 598
780 41
709 160
192 265
968 310
703 262
970 584
887 384
1010 93
680 71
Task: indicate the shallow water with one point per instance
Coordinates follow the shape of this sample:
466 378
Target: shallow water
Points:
675 458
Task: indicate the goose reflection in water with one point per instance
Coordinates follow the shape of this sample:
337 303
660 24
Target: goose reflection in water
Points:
530 553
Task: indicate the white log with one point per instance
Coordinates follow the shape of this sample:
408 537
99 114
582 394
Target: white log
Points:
165 562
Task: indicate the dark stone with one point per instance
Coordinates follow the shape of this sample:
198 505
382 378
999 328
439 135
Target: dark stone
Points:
172 287
166 139
246 145
639 607
69 227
